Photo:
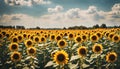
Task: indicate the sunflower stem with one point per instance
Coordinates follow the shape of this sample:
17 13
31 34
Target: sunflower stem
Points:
113 66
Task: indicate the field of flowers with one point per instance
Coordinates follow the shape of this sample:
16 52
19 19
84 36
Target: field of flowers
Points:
60 49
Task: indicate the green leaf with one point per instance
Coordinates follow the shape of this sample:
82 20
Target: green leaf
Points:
85 65
50 63
74 57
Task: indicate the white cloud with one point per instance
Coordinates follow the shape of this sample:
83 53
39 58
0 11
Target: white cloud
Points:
26 2
57 18
56 9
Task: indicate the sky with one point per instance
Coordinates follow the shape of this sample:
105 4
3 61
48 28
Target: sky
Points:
59 13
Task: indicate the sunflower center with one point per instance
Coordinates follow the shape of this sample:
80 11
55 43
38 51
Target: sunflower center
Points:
16 56
29 43
58 38
24 35
0 35
14 39
111 35
19 37
116 38
84 37
82 51
94 38
65 34
107 34
31 51
112 57
71 35
62 43
61 57
97 48
98 34
45 36
3 33
52 37
78 39
42 39
14 46
36 39
7 35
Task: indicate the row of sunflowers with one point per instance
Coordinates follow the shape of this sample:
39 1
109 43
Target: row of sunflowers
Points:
60 49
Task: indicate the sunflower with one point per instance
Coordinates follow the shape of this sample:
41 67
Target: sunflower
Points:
13 47
97 48
31 51
7 35
61 43
111 35
24 35
28 43
15 56
82 51
14 39
78 39
94 38
58 37
61 57
116 38
84 37
70 36
42 39
36 39
111 57
99 34
1 35
65 34
20 38
52 37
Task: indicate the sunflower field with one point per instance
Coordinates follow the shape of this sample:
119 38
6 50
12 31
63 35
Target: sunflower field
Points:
60 49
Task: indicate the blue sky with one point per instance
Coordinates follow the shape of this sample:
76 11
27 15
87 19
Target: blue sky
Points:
59 13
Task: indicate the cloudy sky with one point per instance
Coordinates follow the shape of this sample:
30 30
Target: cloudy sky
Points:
59 13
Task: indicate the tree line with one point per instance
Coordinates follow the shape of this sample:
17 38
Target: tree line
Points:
73 27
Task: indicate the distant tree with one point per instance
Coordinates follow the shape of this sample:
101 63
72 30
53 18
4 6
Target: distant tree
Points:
96 26
103 26
64 28
37 27
20 27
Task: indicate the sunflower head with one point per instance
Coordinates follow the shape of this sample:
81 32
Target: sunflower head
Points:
42 39
99 34
111 57
13 47
36 39
28 43
116 38
70 36
15 39
111 35
20 38
52 37
82 51
61 43
58 37
1 35
61 57
97 48
15 56
84 37
78 39
94 38
25 35
31 51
